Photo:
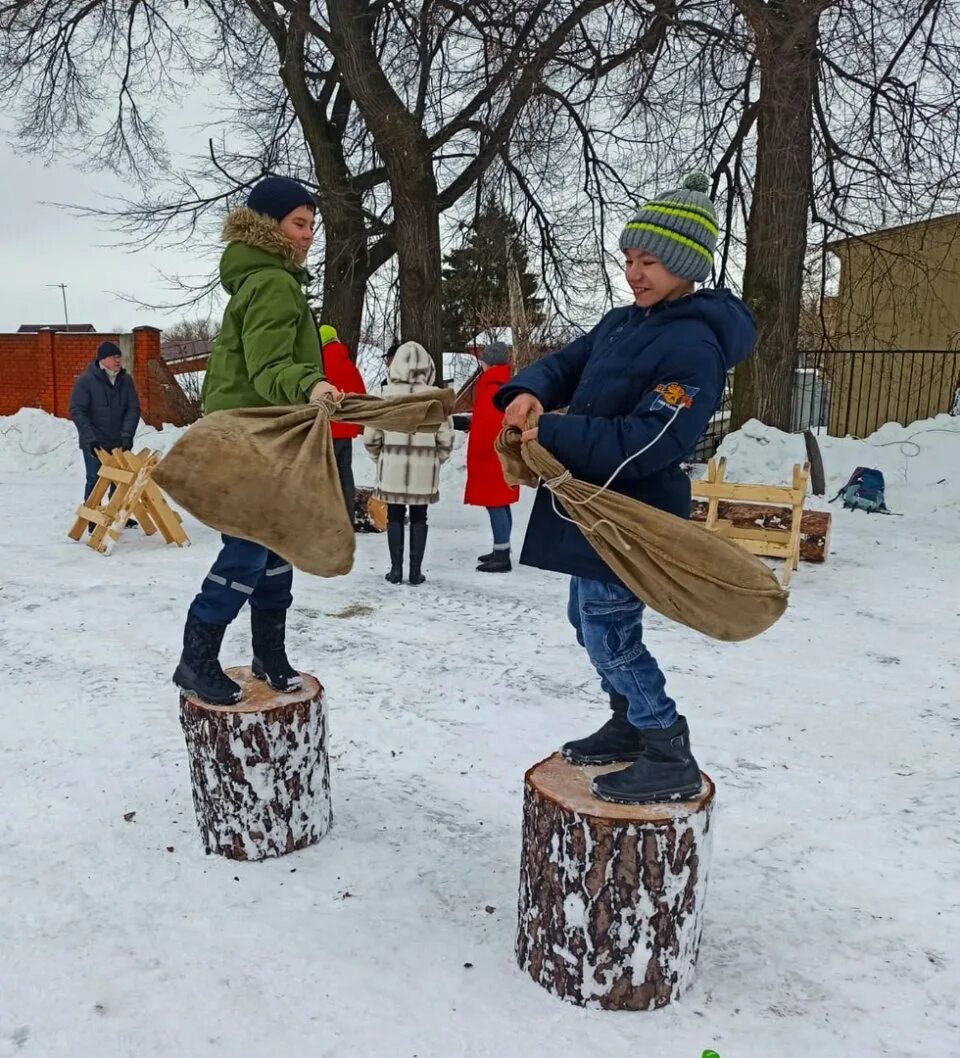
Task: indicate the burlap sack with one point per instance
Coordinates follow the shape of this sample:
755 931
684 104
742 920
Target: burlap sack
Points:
676 566
269 474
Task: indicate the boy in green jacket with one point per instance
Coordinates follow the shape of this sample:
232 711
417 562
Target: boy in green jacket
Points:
267 353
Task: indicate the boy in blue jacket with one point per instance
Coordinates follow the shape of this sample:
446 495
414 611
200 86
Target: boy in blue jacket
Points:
644 383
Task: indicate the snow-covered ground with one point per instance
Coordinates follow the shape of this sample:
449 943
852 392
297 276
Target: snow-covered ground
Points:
833 903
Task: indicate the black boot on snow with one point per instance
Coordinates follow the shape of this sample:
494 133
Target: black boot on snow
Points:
498 562
418 544
395 544
617 740
199 672
664 771
269 651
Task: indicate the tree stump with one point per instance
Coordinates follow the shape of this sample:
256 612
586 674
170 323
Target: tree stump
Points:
259 769
611 896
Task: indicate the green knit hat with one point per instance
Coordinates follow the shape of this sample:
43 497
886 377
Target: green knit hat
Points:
679 228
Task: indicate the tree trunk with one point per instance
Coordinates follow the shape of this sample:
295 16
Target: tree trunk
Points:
785 36
259 769
345 273
402 143
611 896
417 236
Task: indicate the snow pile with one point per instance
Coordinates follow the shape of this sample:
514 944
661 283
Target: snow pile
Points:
920 461
33 441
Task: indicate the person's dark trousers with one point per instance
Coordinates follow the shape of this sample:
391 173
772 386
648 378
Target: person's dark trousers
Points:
243 572
343 453
91 464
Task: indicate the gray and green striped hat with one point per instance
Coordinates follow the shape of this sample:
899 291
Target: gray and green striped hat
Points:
679 228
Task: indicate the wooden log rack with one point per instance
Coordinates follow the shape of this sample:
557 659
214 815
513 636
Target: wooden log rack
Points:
125 489
767 541
611 896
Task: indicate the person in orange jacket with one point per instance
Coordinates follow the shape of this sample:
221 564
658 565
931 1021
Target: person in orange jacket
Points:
341 370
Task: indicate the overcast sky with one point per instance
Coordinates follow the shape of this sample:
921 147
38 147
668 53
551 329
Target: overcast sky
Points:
41 245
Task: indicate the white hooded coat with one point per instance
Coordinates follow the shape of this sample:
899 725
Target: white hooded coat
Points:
408 465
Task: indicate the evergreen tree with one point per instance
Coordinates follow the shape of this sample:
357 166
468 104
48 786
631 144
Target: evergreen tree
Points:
476 280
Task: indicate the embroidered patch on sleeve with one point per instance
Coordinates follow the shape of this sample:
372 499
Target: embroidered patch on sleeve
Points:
674 395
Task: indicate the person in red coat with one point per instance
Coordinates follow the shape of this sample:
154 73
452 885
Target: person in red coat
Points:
341 371
486 486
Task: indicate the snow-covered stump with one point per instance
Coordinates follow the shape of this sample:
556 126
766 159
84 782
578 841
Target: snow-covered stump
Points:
259 769
611 896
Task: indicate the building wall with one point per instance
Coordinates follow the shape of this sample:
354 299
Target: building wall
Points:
897 319
39 370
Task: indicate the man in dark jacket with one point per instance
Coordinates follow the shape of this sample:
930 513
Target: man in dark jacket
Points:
104 408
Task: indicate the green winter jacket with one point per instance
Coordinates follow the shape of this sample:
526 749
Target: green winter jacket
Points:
268 349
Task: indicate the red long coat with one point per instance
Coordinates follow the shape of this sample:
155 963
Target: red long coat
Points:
342 372
485 484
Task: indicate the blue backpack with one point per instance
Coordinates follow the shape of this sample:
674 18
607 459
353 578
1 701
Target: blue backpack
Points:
864 492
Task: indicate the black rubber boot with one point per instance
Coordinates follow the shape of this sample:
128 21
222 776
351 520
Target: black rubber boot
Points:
664 771
199 672
269 628
499 562
395 543
418 544
617 740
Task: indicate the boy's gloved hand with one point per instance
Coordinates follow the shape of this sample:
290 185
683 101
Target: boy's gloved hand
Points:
520 408
324 389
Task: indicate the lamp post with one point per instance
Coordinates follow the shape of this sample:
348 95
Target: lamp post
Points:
62 287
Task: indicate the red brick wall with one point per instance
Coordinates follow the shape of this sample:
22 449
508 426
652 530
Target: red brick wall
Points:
39 370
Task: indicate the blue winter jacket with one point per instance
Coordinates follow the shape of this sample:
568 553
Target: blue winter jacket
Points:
642 377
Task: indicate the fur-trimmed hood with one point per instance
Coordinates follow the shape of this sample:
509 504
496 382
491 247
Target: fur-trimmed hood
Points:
412 363
255 241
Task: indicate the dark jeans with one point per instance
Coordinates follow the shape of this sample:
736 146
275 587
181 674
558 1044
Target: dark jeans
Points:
501 522
396 512
243 572
343 453
92 467
608 621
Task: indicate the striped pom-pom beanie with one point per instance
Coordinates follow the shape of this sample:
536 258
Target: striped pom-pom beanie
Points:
679 228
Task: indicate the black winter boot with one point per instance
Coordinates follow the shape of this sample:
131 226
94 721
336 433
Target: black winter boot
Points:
418 544
499 562
664 771
199 670
617 740
270 663
395 544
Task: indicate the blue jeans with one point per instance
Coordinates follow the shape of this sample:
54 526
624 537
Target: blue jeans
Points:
243 572
92 467
608 621
501 522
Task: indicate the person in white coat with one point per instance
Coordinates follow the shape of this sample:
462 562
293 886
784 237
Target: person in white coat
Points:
408 465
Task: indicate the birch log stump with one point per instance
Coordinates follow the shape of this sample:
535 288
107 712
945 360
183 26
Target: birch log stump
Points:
611 896
259 769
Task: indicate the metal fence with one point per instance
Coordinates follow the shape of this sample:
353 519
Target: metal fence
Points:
855 391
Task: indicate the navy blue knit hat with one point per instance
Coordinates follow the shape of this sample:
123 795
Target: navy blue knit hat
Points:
276 196
107 349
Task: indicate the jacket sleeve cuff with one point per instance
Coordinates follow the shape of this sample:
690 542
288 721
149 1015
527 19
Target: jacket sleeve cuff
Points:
547 433
309 381
508 391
